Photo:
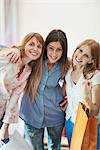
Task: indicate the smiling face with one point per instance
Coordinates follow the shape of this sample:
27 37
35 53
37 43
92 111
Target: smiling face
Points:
54 52
33 49
82 56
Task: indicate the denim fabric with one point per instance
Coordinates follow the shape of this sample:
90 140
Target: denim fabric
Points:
35 137
44 111
69 130
98 139
54 137
99 117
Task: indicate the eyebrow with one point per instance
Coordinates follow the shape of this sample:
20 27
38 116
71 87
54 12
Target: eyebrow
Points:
34 42
54 47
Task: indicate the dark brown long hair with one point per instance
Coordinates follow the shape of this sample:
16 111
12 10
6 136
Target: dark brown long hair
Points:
36 65
54 36
95 53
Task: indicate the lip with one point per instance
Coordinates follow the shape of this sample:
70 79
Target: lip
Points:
78 60
53 59
34 54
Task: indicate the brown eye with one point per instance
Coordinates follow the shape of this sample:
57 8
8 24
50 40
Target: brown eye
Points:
39 46
50 48
31 44
59 50
81 50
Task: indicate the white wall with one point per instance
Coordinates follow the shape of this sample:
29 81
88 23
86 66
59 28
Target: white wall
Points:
80 19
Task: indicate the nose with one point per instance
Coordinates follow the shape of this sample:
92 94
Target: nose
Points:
35 48
80 56
54 53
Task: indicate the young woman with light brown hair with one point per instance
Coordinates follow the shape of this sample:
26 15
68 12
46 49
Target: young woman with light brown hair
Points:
85 68
14 77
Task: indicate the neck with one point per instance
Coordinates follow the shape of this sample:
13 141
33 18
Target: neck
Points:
78 69
76 73
50 65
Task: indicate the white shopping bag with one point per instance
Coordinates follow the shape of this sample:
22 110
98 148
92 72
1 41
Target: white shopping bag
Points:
17 142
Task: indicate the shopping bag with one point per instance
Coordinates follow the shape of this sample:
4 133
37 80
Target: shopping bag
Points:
84 135
16 142
2 145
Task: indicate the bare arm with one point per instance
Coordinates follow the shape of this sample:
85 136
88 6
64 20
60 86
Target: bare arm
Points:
96 95
94 103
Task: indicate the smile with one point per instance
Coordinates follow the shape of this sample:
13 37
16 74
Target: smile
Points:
78 60
53 58
34 54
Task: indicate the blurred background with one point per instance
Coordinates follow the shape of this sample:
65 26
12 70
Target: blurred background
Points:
79 19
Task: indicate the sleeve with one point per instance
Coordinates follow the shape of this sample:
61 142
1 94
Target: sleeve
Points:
96 79
11 86
3 61
6 50
8 73
12 111
6 69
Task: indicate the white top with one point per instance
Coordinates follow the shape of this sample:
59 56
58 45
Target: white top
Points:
74 93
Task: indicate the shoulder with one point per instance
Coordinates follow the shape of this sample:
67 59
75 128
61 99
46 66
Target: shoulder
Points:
5 64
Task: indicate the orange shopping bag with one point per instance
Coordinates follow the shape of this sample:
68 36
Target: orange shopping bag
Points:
84 135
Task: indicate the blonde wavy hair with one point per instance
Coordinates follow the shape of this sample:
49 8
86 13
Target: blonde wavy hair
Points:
36 65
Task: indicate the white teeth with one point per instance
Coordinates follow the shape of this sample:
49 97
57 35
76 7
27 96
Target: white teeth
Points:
34 54
78 60
53 58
